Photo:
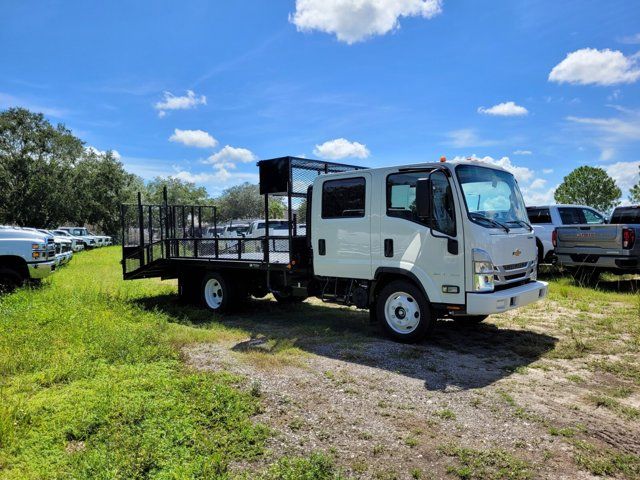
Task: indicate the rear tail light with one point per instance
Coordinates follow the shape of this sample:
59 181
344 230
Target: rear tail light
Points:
628 238
554 238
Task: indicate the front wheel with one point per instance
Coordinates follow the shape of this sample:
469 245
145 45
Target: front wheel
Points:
404 312
217 294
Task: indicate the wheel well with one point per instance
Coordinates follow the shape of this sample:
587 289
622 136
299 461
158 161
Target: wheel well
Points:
15 263
385 276
540 250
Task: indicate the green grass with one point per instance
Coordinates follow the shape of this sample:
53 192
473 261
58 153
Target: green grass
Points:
92 385
492 464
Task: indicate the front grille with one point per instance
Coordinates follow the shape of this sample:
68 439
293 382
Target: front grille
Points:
515 266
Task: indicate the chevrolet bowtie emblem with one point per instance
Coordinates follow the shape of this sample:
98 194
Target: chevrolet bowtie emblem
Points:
517 252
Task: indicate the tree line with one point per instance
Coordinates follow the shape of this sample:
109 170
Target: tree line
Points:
48 177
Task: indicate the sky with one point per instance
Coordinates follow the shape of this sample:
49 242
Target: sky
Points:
202 89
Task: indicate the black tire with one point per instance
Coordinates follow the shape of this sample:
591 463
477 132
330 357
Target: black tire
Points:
9 280
411 305
470 319
217 293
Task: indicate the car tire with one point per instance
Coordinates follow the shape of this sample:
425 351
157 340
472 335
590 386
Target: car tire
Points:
217 293
404 312
9 280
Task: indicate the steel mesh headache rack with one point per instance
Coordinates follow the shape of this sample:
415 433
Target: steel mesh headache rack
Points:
155 235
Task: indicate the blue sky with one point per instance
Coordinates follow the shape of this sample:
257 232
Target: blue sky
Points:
201 89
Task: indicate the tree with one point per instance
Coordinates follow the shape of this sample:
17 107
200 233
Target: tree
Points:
36 169
634 193
589 186
245 201
179 192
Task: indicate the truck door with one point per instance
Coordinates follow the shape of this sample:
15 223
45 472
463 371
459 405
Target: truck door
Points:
341 227
409 244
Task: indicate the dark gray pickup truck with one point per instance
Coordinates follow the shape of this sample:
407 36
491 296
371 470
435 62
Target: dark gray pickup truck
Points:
612 247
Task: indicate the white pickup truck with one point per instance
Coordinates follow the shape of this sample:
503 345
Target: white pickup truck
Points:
90 240
24 255
546 218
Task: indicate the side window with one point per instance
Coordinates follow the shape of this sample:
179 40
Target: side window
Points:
401 196
343 198
443 210
571 216
539 215
592 217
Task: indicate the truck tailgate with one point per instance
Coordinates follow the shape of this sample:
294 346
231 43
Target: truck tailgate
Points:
593 238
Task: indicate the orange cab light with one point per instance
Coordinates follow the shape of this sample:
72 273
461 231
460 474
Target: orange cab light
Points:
443 159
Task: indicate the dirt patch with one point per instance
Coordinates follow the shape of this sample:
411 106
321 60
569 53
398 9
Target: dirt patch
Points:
385 410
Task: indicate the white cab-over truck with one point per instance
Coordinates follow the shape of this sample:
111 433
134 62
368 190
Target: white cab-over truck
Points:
546 218
412 243
24 255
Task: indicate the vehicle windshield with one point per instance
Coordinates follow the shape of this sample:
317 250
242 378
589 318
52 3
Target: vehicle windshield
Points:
492 197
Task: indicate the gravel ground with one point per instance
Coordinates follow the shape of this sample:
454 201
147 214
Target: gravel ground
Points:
386 410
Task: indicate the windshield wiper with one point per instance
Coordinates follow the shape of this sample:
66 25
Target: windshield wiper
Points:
523 223
496 223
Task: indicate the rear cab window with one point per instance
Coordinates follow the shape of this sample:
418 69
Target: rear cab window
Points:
579 216
626 215
539 216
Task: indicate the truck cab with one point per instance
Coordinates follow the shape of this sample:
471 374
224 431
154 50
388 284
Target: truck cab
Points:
456 235
24 255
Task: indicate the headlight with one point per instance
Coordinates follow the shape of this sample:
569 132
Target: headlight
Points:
483 271
534 270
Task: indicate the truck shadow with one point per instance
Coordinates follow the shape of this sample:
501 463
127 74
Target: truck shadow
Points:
454 358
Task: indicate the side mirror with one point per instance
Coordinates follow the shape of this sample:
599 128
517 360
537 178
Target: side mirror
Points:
423 197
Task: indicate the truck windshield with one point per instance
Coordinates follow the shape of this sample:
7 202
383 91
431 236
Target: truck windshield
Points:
492 197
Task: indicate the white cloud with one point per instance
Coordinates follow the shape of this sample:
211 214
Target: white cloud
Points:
523 152
624 173
356 20
216 181
589 66
618 128
505 109
193 138
538 184
231 155
467 137
607 154
341 148
539 197
97 151
630 39
522 174
173 102
547 171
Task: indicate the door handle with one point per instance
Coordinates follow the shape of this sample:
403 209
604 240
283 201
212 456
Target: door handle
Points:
388 247
322 247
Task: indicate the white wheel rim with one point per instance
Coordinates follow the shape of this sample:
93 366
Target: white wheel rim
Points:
213 293
402 313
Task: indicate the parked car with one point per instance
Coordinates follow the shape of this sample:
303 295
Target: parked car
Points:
593 248
91 241
235 230
546 218
24 255
64 250
277 228
77 243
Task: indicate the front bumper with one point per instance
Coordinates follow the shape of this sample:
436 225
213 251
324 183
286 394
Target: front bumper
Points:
38 270
503 300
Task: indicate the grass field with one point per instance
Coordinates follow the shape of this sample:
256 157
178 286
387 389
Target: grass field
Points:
102 378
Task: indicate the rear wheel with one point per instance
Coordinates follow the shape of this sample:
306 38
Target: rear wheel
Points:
404 312
217 293
9 280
